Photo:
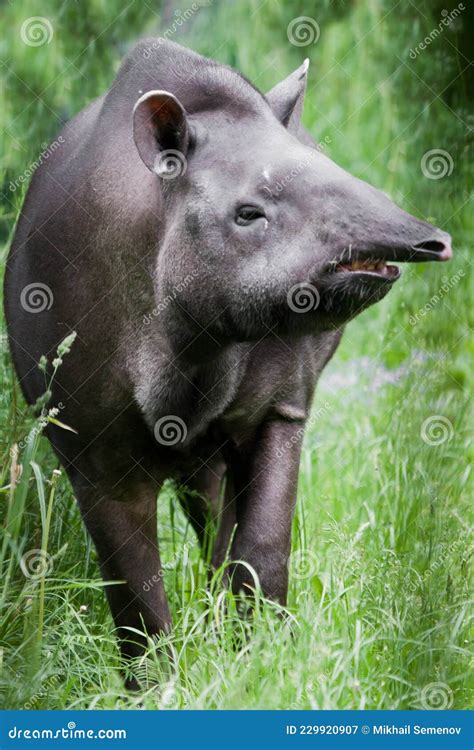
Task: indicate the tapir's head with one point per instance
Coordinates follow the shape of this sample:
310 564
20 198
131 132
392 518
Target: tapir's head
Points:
262 231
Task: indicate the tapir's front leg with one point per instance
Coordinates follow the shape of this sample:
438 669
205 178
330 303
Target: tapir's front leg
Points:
266 484
122 524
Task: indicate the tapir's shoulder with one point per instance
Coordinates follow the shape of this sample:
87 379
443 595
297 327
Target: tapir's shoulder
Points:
278 381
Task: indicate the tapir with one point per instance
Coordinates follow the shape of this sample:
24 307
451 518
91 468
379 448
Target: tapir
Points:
208 255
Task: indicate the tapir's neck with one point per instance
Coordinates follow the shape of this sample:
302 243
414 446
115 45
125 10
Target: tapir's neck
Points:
196 391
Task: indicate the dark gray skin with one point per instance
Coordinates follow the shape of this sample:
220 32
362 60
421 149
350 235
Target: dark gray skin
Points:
180 299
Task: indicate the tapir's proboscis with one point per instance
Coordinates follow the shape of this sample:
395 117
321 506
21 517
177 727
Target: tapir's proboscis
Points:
208 255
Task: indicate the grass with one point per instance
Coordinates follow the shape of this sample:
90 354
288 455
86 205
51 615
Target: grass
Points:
378 613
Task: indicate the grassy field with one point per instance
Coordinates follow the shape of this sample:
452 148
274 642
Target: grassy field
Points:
378 613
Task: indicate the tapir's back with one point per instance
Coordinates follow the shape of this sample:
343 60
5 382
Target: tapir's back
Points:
39 270
88 220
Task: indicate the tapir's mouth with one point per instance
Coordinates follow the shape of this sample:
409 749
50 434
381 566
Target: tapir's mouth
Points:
366 264
377 268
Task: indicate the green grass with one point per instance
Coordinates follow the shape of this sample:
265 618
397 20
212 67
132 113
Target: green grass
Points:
378 608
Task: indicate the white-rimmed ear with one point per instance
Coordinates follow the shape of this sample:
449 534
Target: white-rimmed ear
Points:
160 126
287 97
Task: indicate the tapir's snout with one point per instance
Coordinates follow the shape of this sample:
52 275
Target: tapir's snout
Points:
435 247
372 232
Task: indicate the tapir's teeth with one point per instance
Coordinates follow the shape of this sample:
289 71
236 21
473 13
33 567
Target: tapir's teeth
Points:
363 265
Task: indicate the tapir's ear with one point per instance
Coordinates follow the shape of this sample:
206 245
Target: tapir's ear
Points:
160 126
286 98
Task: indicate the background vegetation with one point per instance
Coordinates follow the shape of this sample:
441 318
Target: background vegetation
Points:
378 607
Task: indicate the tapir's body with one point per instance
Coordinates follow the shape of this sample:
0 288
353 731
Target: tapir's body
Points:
184 307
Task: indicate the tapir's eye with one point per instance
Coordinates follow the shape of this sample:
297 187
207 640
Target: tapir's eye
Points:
245 215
